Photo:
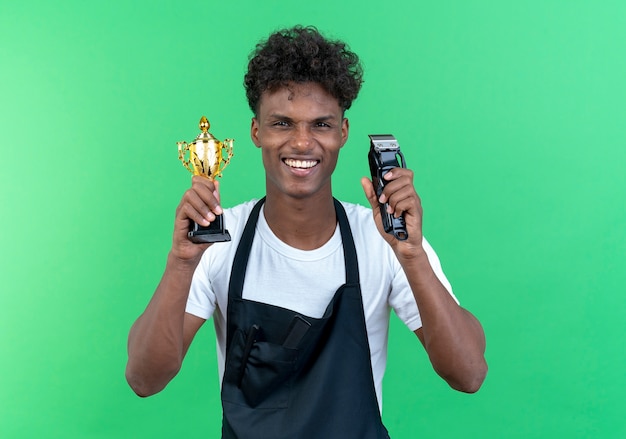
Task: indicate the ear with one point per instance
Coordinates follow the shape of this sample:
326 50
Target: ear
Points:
254 132
345 128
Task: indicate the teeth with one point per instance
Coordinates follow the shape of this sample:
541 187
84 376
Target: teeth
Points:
304 164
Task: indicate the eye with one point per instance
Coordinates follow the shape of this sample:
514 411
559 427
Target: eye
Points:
280 123
322 125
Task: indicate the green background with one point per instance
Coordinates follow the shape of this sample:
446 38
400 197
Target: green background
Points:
512 115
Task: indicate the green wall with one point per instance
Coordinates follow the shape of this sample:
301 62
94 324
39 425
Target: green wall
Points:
512 115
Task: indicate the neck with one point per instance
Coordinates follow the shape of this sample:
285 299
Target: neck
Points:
305 224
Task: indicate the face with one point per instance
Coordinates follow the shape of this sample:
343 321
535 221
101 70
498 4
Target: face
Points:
300 129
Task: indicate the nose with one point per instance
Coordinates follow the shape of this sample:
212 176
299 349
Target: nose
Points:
302 138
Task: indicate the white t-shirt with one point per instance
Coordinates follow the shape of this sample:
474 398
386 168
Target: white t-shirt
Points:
306 280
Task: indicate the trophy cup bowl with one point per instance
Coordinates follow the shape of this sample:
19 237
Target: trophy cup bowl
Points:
206 156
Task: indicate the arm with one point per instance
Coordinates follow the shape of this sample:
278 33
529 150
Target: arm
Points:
159 339
452 336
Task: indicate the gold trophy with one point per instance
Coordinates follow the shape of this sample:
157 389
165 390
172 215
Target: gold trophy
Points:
208 157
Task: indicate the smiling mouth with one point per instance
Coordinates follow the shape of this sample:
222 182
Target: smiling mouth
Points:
300 164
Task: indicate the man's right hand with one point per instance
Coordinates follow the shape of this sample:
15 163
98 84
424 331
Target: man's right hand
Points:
200 203
159 338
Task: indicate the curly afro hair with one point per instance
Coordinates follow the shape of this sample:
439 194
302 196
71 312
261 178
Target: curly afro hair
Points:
301 54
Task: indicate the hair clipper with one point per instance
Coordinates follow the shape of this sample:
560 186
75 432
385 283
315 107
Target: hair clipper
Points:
384 155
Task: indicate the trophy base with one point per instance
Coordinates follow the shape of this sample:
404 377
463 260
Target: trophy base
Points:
214 232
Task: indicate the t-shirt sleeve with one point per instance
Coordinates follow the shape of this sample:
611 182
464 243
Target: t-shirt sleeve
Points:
201 300
401 298
209 287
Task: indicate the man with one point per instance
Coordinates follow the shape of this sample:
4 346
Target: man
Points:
301 296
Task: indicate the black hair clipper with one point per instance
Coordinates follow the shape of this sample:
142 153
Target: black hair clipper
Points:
385 155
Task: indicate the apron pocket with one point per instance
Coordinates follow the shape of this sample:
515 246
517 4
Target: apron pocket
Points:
268 374
260 375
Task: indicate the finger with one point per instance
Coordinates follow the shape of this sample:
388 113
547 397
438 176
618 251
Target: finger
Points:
216 192
208 191
398 174
395 179
398 190
199 204
400 194
404 201
192 207
370 193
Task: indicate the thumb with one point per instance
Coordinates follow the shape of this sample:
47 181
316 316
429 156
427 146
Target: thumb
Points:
216 192
370 194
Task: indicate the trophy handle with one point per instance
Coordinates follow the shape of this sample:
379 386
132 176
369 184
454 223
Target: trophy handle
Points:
227 153
183 148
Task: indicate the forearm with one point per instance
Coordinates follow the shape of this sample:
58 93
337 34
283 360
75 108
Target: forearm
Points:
156 340
453 337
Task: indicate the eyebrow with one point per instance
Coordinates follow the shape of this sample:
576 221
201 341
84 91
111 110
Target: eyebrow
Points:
287 118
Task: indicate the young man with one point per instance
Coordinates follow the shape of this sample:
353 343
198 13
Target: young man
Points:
301 296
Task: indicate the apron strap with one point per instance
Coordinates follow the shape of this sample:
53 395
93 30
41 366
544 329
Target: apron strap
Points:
238 273
349 250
